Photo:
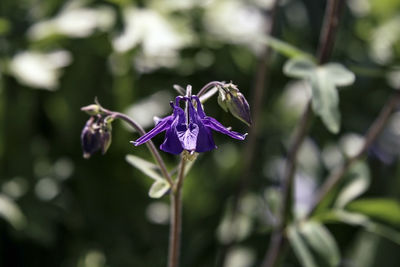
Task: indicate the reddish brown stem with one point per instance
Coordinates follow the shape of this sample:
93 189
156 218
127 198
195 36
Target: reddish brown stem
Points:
326 43
373 132
176 218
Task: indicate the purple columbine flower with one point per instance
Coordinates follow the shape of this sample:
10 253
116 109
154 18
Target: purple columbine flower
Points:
192 133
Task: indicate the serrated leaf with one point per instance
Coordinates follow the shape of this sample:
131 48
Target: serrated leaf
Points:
300 247
387 210
358 182
325 99
148 168
321 241
159 189
301 68
339 74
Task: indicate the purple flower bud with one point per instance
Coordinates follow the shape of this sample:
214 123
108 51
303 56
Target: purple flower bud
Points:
95 136
90 138
230 99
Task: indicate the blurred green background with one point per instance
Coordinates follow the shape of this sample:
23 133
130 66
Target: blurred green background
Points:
58 209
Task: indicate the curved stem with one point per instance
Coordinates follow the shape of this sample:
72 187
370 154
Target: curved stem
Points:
209 86
176 217
150 144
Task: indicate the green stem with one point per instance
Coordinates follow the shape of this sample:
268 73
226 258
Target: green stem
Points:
176 217
209 86
150 144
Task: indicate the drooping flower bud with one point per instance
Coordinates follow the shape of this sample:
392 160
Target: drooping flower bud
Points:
96 135
90 138
230 99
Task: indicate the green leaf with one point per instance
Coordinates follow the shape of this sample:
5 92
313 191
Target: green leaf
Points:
301 68
159 189
284 48
342 216
322 242
339 75
11 212
358 219
300 247
387 210
323 79
148 168
325 99
357 183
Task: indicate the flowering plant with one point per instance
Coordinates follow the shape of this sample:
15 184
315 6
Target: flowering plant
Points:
188 131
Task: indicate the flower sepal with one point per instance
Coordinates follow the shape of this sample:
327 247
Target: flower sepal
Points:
187 131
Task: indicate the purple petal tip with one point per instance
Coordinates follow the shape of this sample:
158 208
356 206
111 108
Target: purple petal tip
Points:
134 143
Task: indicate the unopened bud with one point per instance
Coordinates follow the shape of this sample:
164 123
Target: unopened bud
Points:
232 100
90 138
96 135
91 109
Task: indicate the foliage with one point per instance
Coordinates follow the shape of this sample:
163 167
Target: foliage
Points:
58 209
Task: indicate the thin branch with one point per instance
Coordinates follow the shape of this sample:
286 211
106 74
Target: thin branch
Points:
150 144
326 43
373 132
176 217
277 240
259 90
329 29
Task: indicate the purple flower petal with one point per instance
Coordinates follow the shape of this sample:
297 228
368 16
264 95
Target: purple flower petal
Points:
205 141
200 110
171 144
188 135
178 99
161 126
217 126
